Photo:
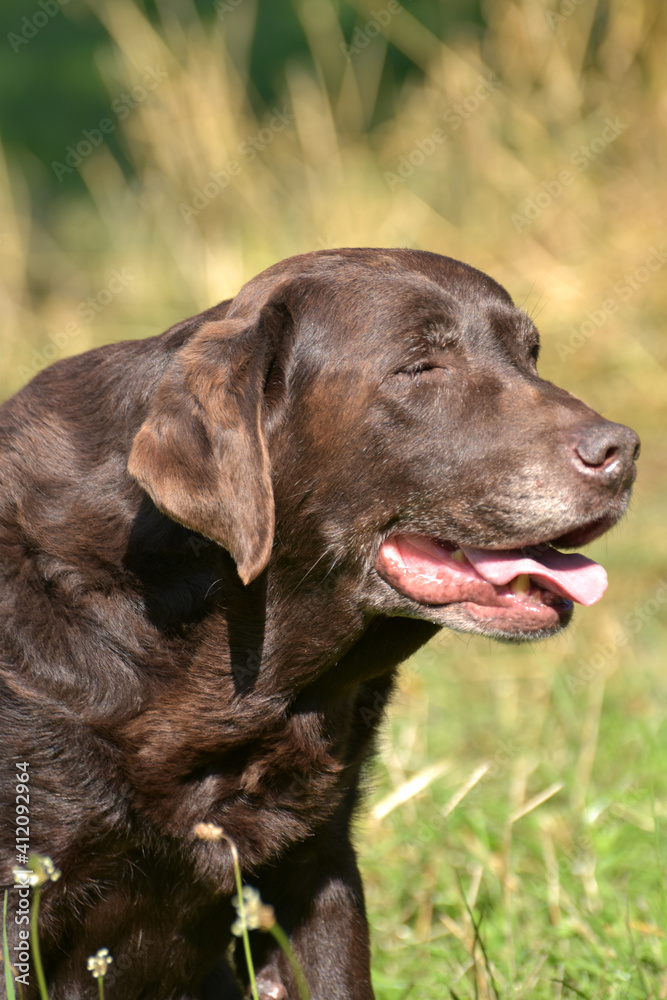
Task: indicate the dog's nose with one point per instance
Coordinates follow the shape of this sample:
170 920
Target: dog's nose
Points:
607 450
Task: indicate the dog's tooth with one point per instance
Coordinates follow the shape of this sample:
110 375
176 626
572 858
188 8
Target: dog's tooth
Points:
520 584
458 556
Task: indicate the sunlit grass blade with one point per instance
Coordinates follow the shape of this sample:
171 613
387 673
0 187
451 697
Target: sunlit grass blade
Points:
34 939
9 978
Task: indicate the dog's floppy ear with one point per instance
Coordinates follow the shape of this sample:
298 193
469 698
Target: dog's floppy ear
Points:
201 453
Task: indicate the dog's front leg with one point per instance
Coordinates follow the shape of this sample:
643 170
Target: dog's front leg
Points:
318 900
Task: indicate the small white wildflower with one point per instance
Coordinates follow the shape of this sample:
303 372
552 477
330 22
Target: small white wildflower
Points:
45 869
258 916
208 831
99 963
40 869
23 876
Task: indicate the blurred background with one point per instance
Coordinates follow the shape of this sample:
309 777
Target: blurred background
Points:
155 156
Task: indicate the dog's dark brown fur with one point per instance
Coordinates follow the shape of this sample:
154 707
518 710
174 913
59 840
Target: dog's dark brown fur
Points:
193 627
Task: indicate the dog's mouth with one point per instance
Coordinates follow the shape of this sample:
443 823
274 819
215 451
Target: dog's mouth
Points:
513 592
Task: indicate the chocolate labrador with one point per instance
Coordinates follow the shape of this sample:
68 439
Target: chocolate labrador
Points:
217 546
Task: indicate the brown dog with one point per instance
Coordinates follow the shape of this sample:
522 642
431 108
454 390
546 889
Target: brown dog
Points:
216 547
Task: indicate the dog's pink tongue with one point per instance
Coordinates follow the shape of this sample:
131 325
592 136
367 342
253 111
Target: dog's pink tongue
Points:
569 574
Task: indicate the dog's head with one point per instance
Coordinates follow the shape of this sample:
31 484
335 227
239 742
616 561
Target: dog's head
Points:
381 409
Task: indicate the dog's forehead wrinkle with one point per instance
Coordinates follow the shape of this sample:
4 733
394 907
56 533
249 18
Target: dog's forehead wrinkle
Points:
512 326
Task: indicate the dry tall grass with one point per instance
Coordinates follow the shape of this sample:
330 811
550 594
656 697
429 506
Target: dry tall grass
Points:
322 179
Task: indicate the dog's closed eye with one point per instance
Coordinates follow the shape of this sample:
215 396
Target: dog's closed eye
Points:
429 369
